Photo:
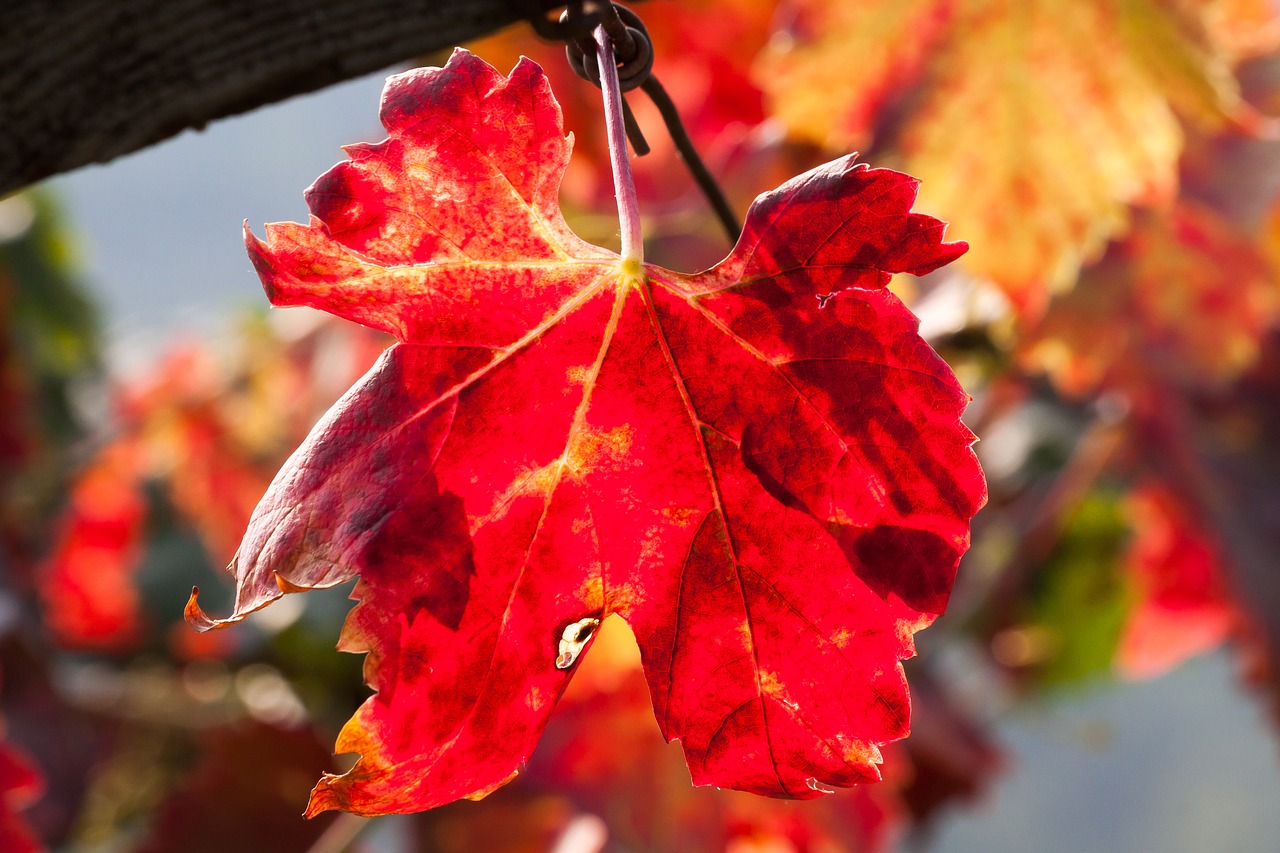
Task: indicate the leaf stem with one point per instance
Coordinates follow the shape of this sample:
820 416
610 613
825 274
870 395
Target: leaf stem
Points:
624 185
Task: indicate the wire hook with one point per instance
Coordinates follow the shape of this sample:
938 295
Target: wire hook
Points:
634 50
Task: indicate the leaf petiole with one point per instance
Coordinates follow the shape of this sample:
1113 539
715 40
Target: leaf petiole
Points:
624 186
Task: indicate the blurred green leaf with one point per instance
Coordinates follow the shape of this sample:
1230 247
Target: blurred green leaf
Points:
1080 599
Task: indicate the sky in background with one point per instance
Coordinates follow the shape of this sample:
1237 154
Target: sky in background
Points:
1181 764
1184 763
159 231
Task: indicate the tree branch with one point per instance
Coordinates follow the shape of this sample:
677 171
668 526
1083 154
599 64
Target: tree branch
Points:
85 81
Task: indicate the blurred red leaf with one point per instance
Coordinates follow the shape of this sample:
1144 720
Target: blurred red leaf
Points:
1182 607
20 784
87 582
603 751
243 794
949 755
213 431
210 434
187 416
1182 302
16 441
564 434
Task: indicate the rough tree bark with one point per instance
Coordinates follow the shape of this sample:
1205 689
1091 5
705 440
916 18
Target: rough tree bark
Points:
85 81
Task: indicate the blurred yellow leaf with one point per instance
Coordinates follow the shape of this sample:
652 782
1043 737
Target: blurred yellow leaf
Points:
830 72
1034 124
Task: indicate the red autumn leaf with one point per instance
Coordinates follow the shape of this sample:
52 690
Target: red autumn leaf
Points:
761 467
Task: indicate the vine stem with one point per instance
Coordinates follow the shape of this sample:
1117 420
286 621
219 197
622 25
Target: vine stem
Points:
624 185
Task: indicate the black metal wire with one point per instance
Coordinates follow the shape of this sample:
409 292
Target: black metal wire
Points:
634 134
701 174
634 50
576 23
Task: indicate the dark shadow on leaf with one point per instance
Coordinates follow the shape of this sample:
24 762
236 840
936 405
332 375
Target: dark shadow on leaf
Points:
768 482
427 533
910 563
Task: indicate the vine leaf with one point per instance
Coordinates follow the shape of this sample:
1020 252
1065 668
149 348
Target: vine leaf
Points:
760 467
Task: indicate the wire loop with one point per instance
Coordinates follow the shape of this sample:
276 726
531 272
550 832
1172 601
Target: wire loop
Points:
633 50
631 44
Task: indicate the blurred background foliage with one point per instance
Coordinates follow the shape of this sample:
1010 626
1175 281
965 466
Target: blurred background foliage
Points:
1114 165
